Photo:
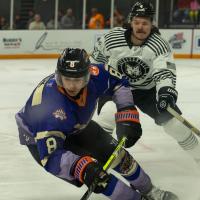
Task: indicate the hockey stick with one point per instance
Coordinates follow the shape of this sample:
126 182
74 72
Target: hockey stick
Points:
105 167
183 120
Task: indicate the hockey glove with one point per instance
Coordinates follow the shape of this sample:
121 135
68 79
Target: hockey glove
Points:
88 171
166 96
128 124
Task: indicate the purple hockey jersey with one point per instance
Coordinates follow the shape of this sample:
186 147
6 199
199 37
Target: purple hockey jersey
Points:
50 115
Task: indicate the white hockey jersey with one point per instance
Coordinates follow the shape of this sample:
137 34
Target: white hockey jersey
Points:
145 66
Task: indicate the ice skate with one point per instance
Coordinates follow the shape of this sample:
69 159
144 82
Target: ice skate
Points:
158 194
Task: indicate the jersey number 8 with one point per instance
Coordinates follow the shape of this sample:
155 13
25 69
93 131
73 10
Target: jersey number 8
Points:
51 145
114 72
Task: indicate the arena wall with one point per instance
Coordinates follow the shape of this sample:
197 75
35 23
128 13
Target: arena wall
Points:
49 43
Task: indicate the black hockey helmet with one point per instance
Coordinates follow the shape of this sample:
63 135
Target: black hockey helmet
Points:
141 9
73 62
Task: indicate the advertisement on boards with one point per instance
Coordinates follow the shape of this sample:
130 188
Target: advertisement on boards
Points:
179 39
47 42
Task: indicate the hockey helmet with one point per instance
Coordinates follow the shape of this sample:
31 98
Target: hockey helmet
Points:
73 62
141 9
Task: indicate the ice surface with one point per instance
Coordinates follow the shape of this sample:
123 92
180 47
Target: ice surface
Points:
21 178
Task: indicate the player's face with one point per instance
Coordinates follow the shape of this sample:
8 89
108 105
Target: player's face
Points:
73 85
141 27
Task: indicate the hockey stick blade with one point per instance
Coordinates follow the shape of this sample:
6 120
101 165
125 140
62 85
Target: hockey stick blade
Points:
183 120
105 167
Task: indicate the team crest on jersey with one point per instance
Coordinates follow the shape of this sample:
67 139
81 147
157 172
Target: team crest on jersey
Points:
134 68
94 70
60 114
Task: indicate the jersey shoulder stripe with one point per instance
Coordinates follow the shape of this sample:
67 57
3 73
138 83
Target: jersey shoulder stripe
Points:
114 31
115 38
100 58
157 44
165 74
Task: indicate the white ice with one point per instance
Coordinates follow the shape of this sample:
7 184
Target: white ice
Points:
21 178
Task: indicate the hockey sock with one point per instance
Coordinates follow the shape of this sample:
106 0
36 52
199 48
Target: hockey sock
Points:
116 189
185 138
133 173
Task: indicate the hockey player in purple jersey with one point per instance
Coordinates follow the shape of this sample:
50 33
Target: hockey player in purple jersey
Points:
55 124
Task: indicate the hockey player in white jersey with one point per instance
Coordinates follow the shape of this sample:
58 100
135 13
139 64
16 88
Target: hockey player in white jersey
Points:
145 58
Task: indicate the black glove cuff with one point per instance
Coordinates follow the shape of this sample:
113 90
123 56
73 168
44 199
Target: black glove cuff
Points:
168 91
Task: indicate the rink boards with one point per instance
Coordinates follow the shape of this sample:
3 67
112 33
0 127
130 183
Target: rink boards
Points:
49 43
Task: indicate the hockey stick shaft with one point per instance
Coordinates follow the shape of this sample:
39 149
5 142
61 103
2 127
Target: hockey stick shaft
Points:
106 166
183 120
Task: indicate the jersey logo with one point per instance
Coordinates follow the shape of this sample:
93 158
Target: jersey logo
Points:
60 114
134 68
72 63
94 70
